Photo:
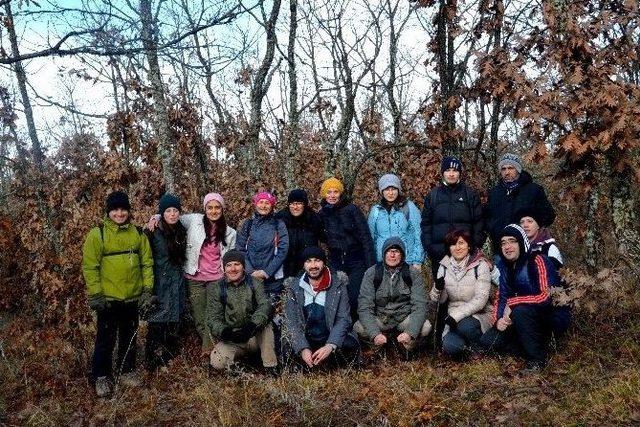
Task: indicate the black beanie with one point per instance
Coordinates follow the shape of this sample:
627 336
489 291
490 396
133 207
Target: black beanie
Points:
298 195
450 163
168 201
314 252
117 199
531 212
233 255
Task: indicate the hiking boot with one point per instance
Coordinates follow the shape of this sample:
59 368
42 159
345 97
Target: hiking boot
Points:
103 387
129 380
532 368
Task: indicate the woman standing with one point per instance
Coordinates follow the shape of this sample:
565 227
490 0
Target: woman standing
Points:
264 241
208 239
348 238
397 216
168 245
464 280
304 227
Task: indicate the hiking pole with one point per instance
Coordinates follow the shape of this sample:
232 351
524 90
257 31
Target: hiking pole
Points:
439 285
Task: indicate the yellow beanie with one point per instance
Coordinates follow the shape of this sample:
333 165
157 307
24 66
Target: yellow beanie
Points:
330 183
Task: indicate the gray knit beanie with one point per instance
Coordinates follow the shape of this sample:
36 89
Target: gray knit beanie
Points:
511 160
389 180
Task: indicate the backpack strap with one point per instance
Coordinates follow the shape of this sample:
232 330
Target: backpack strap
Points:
224 291
405 210
404 271
406 274
101 227
377 277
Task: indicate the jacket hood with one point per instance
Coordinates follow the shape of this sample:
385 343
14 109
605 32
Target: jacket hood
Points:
516 231
394 241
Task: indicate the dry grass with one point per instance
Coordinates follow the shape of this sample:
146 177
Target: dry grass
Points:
595 380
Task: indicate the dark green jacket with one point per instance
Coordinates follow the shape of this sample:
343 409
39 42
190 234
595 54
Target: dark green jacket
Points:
243 305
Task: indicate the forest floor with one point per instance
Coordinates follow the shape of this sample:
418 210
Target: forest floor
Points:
593 380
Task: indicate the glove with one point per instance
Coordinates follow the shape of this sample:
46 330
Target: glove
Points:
451 322
247 331
439 283
98 302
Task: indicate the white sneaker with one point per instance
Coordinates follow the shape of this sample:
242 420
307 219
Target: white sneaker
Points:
103 387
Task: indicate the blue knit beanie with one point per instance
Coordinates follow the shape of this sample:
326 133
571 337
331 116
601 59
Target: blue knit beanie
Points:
450 162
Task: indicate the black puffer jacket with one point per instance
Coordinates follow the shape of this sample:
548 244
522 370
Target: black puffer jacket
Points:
347 232
304 231
503 204
447 207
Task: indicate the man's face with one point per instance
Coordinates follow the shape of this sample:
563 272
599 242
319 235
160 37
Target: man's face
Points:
393 257
233 271
451 176
510 248
314 267
119 216
508 173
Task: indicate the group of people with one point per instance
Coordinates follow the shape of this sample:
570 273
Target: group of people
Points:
309 288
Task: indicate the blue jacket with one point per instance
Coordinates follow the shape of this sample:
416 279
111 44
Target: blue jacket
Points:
384 224
336 309
526 281
347 232
264 241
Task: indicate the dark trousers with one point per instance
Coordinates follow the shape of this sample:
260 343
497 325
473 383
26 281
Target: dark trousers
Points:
162 344
119 321
354 267
465 336
528 336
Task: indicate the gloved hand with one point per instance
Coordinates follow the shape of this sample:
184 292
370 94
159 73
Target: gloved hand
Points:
98 302
451 322
247 331
227 334
439 283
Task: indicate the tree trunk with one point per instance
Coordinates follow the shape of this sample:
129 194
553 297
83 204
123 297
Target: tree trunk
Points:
591 237
624 216
36 148
293 138
161 111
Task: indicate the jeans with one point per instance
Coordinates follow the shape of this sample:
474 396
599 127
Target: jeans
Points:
199 295
466 335
118 321
528 336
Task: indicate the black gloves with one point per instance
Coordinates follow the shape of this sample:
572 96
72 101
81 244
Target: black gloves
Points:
439 283
239 335
98 302
451 322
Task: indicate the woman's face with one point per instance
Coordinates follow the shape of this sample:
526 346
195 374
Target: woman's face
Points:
333 196
390 194
171 215
213 210
530 226
296 208
460 250
263 207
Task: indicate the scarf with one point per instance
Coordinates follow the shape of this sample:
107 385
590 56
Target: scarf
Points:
510 186
323 283
459 268
541 237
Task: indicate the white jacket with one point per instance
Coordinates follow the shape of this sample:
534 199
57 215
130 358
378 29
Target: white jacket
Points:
195 237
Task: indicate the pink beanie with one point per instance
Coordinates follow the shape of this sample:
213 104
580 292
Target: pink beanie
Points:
265 195
212 196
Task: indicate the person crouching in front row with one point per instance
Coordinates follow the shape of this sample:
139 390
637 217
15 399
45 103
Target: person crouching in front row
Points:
318 320
239 316
392 299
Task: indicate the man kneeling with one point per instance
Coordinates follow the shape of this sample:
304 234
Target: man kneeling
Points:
392 298
239 315
318 320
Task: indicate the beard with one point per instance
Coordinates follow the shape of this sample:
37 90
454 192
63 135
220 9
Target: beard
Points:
315 273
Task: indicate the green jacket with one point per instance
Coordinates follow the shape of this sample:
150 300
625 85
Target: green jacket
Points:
243 305
118 264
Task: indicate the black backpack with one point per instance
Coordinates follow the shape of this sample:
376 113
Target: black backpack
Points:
404 270
101 227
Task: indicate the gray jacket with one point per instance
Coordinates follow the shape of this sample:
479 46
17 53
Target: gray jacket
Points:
336 312
394 300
